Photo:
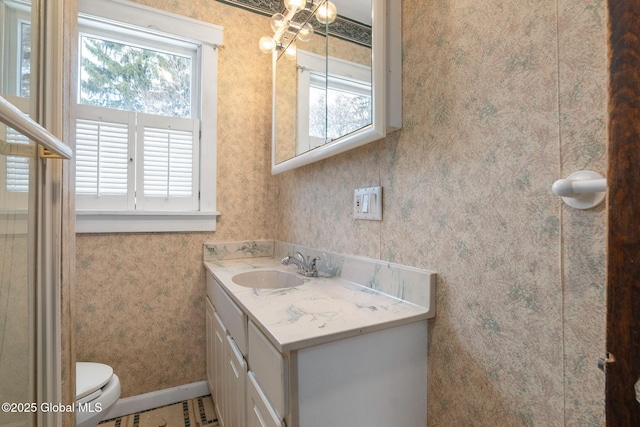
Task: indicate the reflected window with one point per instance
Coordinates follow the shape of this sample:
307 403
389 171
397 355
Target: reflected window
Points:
15 36
334 99
16 47
24 56
338 106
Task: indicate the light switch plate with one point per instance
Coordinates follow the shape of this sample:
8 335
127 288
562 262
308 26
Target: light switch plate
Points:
367 203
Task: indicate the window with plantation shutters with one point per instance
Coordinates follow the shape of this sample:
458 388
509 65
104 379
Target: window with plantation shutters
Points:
140 140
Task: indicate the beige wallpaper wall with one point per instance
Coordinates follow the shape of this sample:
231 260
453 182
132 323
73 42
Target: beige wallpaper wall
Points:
501 98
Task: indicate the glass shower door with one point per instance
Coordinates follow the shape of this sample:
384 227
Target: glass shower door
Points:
17 222
17 290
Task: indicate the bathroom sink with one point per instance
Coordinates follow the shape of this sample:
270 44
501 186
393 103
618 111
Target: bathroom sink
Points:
267 279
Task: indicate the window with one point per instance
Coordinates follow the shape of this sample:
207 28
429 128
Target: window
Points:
145 159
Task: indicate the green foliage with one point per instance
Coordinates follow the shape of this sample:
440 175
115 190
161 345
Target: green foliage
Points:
124 77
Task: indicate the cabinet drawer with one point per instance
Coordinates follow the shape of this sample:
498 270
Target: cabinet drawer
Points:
232 316
270 369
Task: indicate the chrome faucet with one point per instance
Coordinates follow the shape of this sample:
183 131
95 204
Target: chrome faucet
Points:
305 267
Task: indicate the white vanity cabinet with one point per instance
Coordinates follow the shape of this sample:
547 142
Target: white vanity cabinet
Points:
373 379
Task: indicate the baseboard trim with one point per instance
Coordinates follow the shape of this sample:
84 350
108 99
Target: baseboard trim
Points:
155 399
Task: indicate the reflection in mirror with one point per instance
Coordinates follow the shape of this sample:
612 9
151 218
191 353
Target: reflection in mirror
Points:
326 93
15 87
334 99
16 47
296 24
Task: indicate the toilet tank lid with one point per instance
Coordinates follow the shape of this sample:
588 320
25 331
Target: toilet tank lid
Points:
91 377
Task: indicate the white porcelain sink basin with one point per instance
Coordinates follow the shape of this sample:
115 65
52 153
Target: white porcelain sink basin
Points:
267 279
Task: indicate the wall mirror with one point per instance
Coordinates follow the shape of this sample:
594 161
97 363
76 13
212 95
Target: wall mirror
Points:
331 88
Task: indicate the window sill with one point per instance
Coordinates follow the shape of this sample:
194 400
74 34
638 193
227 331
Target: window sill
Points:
144 222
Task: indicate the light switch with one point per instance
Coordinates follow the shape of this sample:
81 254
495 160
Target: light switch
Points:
367 203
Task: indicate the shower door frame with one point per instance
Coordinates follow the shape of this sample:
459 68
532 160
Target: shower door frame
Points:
56 254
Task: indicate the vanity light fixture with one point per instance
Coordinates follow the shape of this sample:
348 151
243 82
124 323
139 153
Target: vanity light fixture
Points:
324 11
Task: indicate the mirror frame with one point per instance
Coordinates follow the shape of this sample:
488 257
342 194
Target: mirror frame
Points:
377 129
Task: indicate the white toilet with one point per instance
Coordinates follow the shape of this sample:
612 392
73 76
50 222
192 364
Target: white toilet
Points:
97 391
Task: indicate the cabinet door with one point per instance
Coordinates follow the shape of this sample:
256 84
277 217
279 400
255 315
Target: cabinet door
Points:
259 411
235 387
210 333
270 369
219 368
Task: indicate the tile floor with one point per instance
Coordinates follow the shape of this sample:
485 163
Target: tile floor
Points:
197 412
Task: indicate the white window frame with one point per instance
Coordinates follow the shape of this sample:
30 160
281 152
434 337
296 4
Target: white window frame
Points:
209 38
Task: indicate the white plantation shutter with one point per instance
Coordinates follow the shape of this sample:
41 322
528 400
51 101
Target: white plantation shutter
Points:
17 168
168 159
14 169
129 161
104 145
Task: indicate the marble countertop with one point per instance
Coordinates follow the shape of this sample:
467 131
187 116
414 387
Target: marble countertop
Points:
319 311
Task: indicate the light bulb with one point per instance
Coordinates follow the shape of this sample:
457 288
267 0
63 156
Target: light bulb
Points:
291 51
267 44
306 33
326 13
295 5
277 21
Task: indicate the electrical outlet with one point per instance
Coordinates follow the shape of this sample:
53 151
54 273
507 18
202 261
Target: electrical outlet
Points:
367 203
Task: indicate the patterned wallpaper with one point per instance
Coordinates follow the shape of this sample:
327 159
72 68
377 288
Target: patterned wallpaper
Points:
500 99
